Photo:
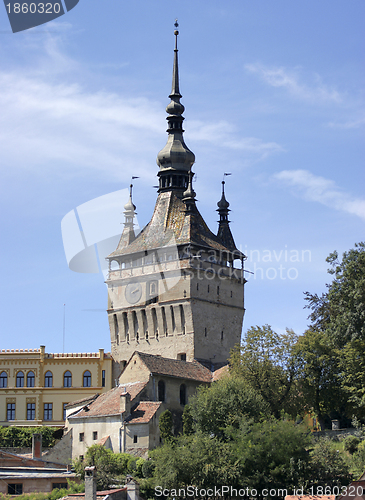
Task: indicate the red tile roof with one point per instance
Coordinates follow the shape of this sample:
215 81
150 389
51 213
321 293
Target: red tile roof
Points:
103 440
109 402
191 370
79 496
221 372
143 412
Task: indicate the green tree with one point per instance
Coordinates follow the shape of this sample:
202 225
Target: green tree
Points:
187 421
328 466
273 454
224 404
200 460
358 461
319 374
339 316
110 467
269 454
165 425
352 364
340 312
267 362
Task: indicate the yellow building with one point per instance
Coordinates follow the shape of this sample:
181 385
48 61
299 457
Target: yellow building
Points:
36 386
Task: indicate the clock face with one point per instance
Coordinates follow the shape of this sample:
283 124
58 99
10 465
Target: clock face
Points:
133 292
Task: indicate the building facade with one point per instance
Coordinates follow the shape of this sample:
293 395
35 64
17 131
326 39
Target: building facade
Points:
176 289
125 419
36 386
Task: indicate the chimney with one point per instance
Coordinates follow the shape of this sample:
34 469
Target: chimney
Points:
90 483
132 489
125 403
37 446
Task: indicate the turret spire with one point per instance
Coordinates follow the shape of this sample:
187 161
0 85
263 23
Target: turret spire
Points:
224 231
189 194
175 159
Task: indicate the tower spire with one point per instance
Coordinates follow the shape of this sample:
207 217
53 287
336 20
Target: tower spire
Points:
175 159
175 91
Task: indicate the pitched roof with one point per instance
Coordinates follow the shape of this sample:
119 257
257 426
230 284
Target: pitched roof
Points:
103 440
109 402
83 401
191 370
221 372
171 225
100 494
143 412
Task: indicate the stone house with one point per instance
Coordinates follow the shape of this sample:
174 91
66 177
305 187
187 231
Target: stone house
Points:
125 419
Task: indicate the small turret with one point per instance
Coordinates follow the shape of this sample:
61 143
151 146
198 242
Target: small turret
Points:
224 231
189 195
128 234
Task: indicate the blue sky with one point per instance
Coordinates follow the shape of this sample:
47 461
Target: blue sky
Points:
273 93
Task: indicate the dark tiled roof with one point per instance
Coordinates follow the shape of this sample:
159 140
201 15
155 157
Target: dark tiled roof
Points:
82 401
143 412
109 402
176 368
170 226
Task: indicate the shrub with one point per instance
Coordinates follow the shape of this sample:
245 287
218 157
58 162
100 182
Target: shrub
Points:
351 443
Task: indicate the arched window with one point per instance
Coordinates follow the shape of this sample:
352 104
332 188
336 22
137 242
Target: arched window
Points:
183 394
30 379
161 391
20 379
3 379
48 379
87 379
67 379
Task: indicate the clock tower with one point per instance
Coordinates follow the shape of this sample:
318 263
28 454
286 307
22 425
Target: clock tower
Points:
176 290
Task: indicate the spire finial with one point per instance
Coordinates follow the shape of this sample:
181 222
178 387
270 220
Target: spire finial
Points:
129 208
175 156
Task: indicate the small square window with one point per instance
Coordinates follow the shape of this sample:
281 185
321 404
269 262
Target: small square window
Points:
81 437
95 435
15 489
135 439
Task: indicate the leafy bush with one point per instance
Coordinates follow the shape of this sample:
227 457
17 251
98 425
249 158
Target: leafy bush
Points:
148 468
111 467
139 467
21 437
351 443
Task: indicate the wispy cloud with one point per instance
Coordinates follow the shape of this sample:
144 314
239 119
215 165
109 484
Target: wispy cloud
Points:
350 124
315 188
45 122
48 125
223 134
290 80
